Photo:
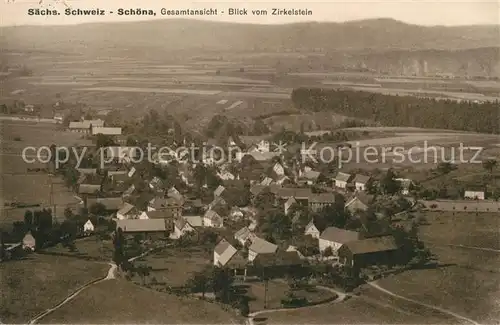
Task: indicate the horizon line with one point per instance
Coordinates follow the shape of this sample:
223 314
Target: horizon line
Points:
250 23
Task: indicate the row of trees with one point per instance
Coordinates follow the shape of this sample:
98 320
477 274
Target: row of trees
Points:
401 110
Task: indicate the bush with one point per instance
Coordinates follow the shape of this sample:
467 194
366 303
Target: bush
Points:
292 301
17 138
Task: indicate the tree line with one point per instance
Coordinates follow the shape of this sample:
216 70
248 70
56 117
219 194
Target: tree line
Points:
402 110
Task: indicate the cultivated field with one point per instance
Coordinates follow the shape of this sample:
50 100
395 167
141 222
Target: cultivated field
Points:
39 282
122 302
19 185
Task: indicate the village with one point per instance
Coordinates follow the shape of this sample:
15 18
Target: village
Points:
265 215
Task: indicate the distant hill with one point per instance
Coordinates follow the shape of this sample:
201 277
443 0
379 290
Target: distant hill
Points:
162 36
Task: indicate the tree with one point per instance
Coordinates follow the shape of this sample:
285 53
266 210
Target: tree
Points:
118 244
222 282
200 281
445 168
243 306
389 185
28 219
328 252
97 209
489 165
68 213
103 140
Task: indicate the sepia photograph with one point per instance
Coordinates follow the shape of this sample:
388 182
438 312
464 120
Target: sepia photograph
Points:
250 162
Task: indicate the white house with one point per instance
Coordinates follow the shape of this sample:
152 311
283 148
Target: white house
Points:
260 246
474 194
312 230
244 235
88 227
360 182
336 237
181 227
223 252
212 219
29 242
342 179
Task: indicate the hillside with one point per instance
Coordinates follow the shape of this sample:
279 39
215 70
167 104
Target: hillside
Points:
176 34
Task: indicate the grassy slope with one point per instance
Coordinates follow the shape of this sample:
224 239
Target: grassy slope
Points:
30 286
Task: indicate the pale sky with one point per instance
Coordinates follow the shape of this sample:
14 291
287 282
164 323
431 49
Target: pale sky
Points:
421 12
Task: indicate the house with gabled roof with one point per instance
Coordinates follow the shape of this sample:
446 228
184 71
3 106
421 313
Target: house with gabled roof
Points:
88 227
89 189
288 204
260 246
318 201
149 228
29 242
266 181
218 191
223 252
312 230
365 252
244 235
127 211
111 204
212 219
181 228
359 202
334 238
342 179
360 182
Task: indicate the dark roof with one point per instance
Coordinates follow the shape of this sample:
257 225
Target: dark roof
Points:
159 214
339 235
142 225
111 203
371 245
280 258
298 193
322 198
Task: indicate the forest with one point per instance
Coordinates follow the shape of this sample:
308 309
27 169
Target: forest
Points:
401 110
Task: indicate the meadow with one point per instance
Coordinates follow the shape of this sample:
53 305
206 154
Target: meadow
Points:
122 302
32 285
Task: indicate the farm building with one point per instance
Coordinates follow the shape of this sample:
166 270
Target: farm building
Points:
319 201
88 227
29 242
366 252
279 263
334 238
474 194
342 179
360 182
260 246
89 189
106 130
360 202
149 228
111 204
84 126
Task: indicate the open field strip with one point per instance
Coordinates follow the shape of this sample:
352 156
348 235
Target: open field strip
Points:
154 90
